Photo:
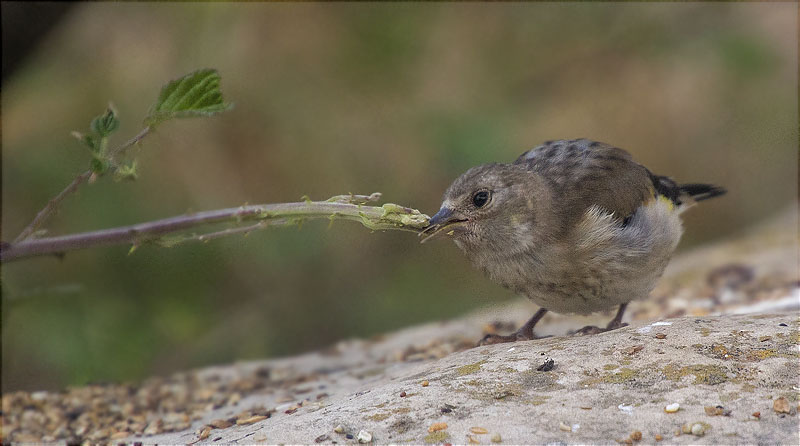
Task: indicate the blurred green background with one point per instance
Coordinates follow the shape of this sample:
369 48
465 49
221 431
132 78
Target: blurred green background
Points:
337 98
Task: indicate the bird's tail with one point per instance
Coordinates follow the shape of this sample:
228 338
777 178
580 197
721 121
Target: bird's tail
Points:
700 192
683 196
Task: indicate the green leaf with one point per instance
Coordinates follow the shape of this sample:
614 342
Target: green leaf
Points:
196 94
106 123
126 172
93 142
98 165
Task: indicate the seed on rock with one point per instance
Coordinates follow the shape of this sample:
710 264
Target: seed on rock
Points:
251 420
221 424
633 350
339 429
781 405
565 427
122 434
713 411
425 383
437 427
478 430
364 436
496 438
672 408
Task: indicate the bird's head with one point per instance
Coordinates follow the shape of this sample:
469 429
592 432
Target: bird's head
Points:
490 206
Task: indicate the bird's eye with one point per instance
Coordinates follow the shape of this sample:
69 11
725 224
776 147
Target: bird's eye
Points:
480 198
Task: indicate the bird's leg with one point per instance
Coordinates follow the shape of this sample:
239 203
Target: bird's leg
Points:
617 321
613 325
524 333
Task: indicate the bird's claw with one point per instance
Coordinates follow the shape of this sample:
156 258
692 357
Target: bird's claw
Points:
593 330
491 339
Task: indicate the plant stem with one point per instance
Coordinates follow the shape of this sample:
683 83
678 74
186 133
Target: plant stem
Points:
51 205
48 210
388 216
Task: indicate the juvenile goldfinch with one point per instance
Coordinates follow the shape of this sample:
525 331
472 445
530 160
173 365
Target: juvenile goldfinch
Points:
576 226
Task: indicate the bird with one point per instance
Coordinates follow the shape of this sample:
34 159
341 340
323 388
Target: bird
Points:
576 225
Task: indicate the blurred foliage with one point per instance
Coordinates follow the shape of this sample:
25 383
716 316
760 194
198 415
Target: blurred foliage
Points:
337 98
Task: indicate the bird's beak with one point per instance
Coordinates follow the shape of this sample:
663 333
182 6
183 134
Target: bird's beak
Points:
442 220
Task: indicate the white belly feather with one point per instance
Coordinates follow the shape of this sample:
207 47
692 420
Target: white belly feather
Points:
601 266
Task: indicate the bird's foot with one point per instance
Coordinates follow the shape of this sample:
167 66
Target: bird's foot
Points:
593 330
491 339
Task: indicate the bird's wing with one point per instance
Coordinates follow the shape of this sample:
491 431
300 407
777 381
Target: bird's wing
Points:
584 173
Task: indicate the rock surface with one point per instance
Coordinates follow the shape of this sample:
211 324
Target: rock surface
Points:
719 337
559 389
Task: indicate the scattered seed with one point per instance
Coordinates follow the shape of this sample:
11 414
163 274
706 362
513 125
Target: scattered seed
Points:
661 336
713 411
698 430
548 365
659 437
221 424
633 350
322 438
364 436
437 427
251 420
472 440
764 338
564 427
121 434
349 436
636 436
672 408
339 429
425 383
586 407
496 438
757 414
402 394
478 430
686 428
205 433
781 405
782 325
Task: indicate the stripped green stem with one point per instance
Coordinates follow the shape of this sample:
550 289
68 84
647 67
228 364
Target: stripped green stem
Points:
377 218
